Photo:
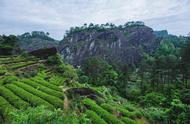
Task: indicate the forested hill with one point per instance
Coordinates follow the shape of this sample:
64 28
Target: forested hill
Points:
36 40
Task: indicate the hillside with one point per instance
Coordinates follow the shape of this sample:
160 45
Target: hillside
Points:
98 74
36 40
31 82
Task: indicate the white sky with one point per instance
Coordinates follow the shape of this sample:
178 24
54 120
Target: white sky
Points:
56 16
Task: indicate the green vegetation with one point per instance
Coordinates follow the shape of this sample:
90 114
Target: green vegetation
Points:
103 113
49 90
38 115
45 83
114 108
5 107
2 71
43 88
8 44
12 98
51 99
94 117
32 99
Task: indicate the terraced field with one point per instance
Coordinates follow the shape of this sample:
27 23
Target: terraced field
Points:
18 93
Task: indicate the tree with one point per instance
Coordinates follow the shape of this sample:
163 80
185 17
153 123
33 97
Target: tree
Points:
99 71
185 62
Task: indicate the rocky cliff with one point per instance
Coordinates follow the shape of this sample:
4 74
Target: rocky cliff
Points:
117 44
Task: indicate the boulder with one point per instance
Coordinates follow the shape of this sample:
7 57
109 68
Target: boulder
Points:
90 93
44 53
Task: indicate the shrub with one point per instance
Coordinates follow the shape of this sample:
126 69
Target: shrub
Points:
129 106
133 93
68 71
32 99
20 65
9 79
152 99
179 113
185 97
128 120
51 99
113 108
37 115
5 107
54 60
2 71
57 80
103 113
45 83
43 88
42 74
94 117
155 115
12 98
83 119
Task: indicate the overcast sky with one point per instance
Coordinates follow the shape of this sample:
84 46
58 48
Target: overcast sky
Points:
56 16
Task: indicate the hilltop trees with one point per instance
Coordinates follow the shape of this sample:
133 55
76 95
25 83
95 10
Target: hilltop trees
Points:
102 27
8 44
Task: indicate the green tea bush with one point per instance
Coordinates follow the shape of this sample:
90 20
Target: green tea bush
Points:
5 107
8 79
37 115
113 108
94 117
32 99
51 99
12 98
43 88
128 120
20 65
130 107
2 71
42 74
57 80
45 83
103 113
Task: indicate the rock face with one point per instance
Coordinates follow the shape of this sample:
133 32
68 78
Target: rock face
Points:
123 45
44 53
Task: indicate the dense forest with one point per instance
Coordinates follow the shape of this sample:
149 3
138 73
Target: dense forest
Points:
153 87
